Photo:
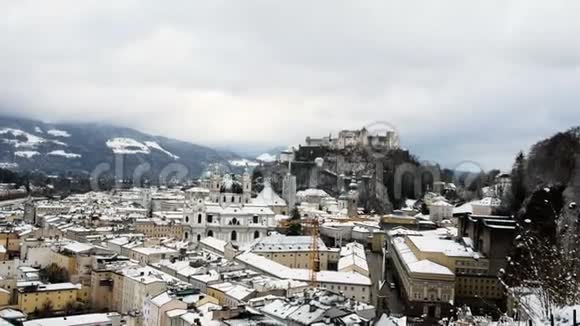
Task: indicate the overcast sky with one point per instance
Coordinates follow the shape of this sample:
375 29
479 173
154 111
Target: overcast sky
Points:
460 80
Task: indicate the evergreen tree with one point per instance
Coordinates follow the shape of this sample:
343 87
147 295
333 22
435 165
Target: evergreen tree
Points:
518 191
54 274
295 228
295 215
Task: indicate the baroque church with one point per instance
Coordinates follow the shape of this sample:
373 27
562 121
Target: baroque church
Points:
223 208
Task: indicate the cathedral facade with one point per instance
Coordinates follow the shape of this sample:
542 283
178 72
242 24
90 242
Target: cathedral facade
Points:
223 208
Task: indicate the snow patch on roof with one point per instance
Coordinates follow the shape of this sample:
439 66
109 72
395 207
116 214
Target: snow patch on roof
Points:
269 197
161 299
312 192
415 265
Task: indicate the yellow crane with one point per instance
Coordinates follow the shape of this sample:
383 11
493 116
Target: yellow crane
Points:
314 258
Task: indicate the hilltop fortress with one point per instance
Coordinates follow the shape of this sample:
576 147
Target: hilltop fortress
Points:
351 138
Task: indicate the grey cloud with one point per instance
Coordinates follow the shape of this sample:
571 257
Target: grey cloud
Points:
461 81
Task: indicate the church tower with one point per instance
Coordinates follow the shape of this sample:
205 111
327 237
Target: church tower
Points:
194 214
246 186
289 189
146 200
352 205
343 197
29 211
215 182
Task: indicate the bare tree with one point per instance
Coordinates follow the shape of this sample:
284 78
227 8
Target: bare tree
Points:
545 261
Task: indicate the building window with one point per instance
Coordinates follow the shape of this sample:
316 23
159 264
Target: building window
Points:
255 219
210 233
198 237
186 219
186 235
209 218
234 236
199 218
256 234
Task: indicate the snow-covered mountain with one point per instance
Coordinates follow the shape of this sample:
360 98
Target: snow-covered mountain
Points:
57 148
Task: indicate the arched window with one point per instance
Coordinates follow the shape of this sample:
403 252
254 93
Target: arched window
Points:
199 218
186 235
210 233
234 221
209 218
224 199
256 234
233 199
234 236
198 237
186 219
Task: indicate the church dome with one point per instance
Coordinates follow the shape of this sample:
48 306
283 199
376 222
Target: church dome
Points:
229 185
353 185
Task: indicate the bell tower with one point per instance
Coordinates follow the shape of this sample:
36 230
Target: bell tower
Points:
352 205
194 213
246 186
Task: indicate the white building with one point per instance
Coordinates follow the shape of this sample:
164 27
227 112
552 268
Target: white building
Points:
229 214
155 308
353 259
149 255
486 206
440 210
139 283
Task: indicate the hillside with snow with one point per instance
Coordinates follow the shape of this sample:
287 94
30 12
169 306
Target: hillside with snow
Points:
81 148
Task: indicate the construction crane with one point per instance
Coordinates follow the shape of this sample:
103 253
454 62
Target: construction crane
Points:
314 258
